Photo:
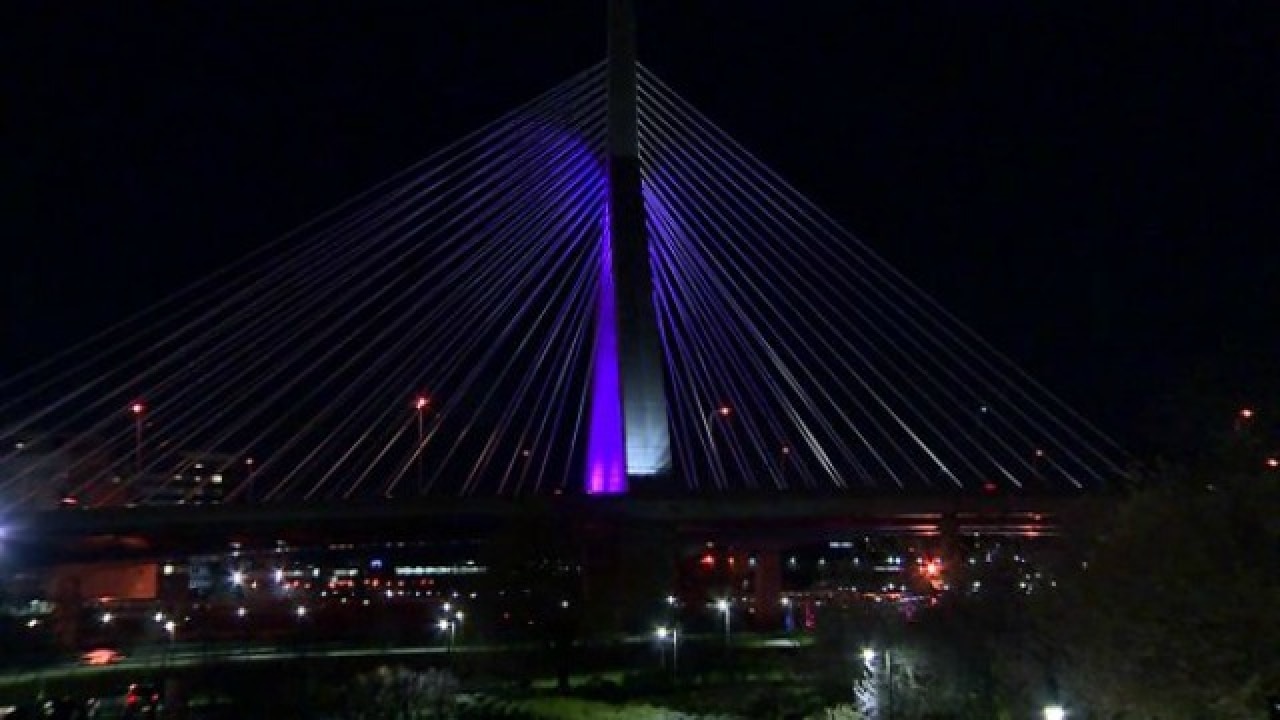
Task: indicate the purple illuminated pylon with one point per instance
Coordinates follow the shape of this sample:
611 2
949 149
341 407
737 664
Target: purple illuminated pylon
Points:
628 435
606 450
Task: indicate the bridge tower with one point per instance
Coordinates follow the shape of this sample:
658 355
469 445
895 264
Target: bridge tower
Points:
628 435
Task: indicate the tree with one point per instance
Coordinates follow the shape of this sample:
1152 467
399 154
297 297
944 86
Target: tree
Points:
1170 612
397 693
565 579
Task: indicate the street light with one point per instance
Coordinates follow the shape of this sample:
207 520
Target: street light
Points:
724 607
450 624
420 405
662 633
171 628
242 613
723 411
248 471
784 460
1054 712
138 409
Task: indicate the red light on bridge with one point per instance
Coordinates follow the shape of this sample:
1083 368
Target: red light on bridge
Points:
989 487
707 561
421 402
137 408
1246 413
724 411
1273 462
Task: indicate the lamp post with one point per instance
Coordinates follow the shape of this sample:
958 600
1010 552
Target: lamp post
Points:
138 409
446 626
301 612
450 625
248 471
725 608
723 411
1054 712
171 628
242 615
662 633
420 405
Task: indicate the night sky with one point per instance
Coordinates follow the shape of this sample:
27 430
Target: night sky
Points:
1091 186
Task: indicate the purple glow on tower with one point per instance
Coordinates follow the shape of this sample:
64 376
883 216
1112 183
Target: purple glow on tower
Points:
606 453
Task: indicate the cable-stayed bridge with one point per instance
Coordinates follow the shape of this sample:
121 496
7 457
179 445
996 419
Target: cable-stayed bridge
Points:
467 331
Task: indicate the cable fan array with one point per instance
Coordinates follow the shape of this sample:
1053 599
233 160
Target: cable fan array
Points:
803 360
434 335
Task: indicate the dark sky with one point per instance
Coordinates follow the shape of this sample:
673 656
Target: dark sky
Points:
1091 186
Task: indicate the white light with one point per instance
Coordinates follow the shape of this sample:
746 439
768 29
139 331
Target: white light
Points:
722 605
159 617
170 627
661 632
1054 712
241 612
106 618
648 450
868 655
302 611
237 578
168 569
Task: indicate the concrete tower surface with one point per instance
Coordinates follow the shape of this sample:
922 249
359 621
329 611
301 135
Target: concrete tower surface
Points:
627 331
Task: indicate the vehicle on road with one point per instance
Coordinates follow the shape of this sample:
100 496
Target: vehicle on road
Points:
141 701
101 656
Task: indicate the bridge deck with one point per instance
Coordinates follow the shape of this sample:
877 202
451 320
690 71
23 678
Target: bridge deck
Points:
765 519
